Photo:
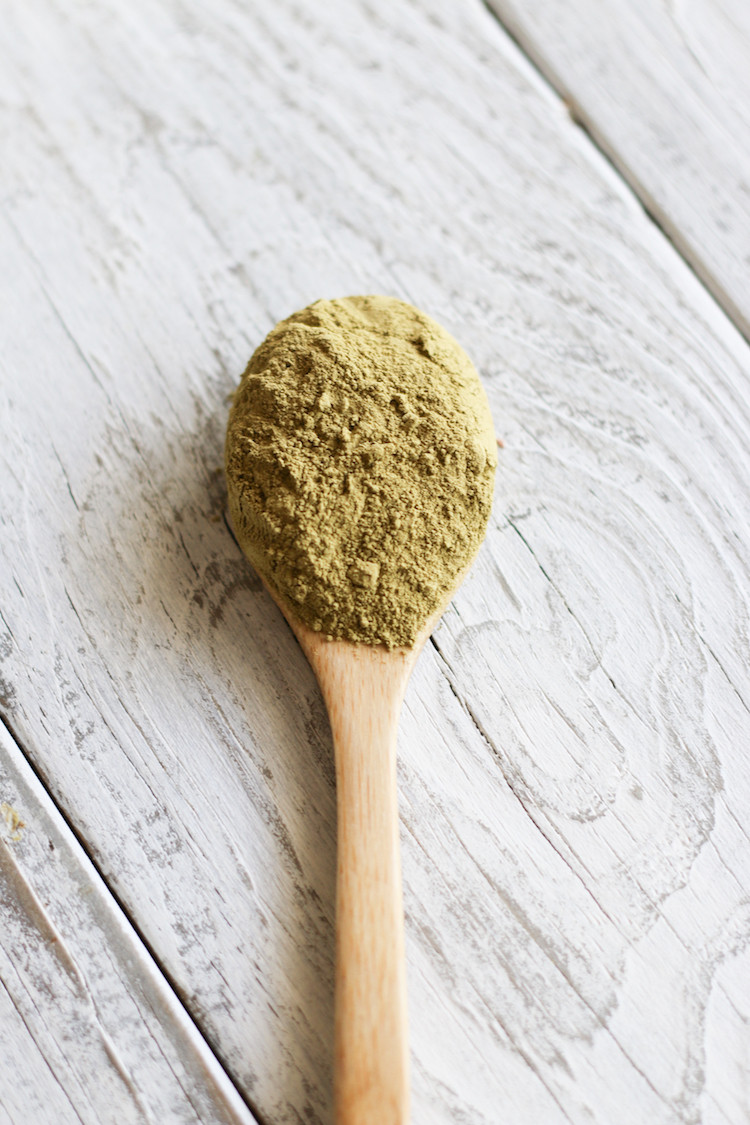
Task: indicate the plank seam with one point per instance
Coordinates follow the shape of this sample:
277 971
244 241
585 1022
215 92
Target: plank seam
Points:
608 153
166 976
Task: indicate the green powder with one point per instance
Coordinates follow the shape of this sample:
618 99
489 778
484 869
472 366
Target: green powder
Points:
360 463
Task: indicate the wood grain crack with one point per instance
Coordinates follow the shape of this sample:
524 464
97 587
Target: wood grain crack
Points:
42 1054
523 921
468 710
53 307
723 670
494 1016
597 656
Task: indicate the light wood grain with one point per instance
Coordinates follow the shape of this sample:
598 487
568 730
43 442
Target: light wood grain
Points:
573 773
364 688
665 90
89 1033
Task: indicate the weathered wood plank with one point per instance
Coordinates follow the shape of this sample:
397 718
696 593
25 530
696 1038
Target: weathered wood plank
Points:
573 778
89 1032
665 90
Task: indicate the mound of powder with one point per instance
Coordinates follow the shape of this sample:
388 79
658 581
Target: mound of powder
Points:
360 461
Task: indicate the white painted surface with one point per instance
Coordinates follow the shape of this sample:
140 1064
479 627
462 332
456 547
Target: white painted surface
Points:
573 765
88 1031
664 87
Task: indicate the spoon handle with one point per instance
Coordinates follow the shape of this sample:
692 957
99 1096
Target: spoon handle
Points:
363 694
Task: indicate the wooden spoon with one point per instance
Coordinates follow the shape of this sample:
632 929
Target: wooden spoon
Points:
363 687
292 418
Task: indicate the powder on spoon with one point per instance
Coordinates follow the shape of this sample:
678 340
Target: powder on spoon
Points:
360 462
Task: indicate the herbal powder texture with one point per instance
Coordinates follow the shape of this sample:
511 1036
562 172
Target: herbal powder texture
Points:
360 461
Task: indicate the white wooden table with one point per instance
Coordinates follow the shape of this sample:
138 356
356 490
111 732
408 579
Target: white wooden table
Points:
566 185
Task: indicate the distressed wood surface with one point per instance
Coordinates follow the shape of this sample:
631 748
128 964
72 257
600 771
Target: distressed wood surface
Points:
665 90
89 1033
572 765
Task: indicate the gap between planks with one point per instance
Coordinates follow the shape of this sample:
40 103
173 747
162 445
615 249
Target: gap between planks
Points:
147 950
546 74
